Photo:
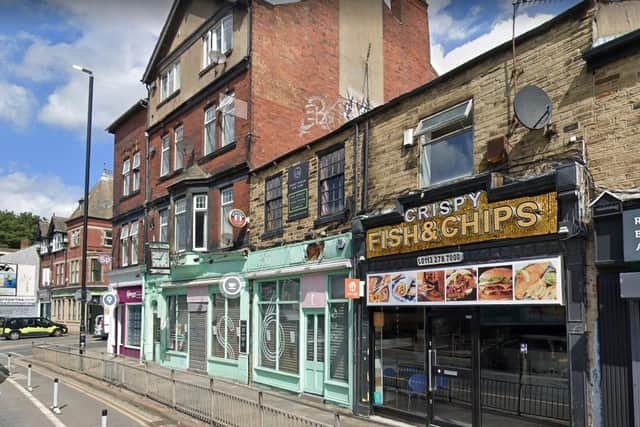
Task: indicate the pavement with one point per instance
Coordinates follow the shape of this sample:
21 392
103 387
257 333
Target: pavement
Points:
23 346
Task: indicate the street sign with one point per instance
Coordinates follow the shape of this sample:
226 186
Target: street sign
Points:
104 259
110 299
232 286
78 295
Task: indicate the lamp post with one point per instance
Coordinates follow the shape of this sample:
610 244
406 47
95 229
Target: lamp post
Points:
85 219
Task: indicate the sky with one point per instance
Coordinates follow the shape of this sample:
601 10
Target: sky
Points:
43 100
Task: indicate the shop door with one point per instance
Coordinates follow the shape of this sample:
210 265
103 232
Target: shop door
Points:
198 340
451 346
314 357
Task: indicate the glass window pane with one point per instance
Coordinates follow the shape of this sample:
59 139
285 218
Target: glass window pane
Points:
268 327
289 290
336 284
182 320
288 318
134 324
456 113
219 326
233 328
339 341
448 159
267 291
200 229
171 308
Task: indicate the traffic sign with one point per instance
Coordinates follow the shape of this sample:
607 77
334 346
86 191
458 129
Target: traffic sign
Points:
110 299
78 295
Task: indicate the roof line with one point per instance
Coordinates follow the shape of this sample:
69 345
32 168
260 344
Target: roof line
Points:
163 34
139 104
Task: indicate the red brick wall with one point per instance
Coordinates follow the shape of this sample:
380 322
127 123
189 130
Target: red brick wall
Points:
116 261
406 48
95 246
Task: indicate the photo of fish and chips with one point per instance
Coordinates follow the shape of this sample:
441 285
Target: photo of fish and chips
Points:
495 283
430 286
461 284
404 287
536 281
378 288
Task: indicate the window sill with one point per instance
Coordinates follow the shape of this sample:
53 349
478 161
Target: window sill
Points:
338 216
222 360
220 151
271 234
170 175
130 195
275 371
168 98
176 353
131 347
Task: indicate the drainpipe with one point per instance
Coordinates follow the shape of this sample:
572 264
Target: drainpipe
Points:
147 197
355 167
365 168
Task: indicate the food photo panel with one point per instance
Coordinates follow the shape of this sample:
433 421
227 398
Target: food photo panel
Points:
495 283
537 280
461 284
430 286
378 288
404 287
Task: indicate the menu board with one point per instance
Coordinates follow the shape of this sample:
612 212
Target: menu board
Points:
533 281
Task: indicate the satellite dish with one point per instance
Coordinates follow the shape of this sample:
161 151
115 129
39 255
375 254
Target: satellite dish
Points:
532 107
216 57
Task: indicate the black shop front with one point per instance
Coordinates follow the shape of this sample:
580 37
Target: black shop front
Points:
473 313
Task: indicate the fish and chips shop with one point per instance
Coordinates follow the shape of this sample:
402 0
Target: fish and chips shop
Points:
466 307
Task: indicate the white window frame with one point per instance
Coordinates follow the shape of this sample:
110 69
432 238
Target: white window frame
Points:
133 234
170 80
223 218
58 242
92 280
165 153
124 245
227 110
210 146
105 238
183 211
197 209
178 138
163 215
219 38
75 238
126 177
136 172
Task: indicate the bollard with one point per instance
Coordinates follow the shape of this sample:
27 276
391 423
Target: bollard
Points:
336 419
55 408
9 363
104 418
29 378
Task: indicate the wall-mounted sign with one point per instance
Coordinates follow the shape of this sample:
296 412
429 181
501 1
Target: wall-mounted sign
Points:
237 218
352 288
17 300
298 191
104 259
77 295
232 286
536 281
243 336
465 219
8 280
631 234
449 258
110 299
44 296
159 257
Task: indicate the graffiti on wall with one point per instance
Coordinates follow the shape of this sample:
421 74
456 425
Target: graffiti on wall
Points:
330 115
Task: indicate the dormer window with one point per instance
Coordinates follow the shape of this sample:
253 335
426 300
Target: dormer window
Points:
58 242
217 41
44 246
170 81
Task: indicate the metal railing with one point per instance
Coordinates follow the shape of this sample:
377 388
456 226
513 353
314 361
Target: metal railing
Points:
207 404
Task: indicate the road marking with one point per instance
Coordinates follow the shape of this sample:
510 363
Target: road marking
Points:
47 413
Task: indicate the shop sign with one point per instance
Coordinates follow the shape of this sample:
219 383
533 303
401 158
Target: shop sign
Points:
159 257
352 288
298 191
465 219
17 300
237 218
631 235
110 299
449 258
243 336
533 281
232 286
44 296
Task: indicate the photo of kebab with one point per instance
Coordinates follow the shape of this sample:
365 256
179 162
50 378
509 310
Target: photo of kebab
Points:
430 286
496 284
537 281
461 285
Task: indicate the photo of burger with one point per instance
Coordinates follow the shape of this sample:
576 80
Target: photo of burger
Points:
496 283
536 281
461 284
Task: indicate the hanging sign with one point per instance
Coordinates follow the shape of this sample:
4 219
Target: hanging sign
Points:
232 286
237 218
535 281
352 288
298 191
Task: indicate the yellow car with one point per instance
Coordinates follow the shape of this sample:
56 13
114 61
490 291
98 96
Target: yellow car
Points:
18 327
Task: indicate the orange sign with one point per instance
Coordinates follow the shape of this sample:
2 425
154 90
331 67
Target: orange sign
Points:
352 288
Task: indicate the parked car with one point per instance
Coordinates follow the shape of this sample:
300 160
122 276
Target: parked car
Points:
17 327
100 329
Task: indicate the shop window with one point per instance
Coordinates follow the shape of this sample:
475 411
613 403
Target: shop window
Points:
136 171
178 138
164 156
134 243
279 309
332 182
178 323
164 226
124 245
200 222
273 203
126 177
134 325
73 310
180 226
338 330
225 327
226 231
446 139
209 130
96 271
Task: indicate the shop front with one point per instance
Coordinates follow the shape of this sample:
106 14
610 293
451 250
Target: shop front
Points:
128 315
467 308
302 318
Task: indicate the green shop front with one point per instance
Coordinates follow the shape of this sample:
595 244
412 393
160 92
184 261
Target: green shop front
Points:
303 340
193 324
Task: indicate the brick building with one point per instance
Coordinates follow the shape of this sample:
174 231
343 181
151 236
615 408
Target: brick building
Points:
233 85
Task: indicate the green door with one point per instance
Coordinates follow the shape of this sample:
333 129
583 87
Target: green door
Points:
314 357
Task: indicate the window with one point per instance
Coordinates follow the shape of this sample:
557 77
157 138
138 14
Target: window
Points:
126 177
279 308
73 308
225 327
75 238
226 230
209 130
332 182
134 242
200 222
134 325
124 246
44 246
136 171
170 81
446 140
273 203
74 273
218 39
96 271
228 120
179 153
338 330
58 242
164 156
180 226
178 323
164 226
107 238
59 274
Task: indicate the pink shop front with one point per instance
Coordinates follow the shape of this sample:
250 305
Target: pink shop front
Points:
128 316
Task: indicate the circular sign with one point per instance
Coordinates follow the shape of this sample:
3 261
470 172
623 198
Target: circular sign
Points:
237 218
110 299
104 259
232 286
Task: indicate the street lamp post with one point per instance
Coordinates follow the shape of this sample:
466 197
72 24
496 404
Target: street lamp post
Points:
85 219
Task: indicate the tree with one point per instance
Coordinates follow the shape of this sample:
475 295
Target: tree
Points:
14 228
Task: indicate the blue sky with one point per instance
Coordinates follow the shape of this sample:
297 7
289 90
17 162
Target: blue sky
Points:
43 100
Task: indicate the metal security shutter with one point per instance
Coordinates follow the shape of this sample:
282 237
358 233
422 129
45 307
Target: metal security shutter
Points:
615 352
198 340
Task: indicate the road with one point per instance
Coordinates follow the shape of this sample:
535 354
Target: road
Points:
23 346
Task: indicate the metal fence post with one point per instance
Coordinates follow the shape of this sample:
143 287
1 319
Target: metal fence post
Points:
173 389
146 381
9 363
260 410
121 374
55 408
336 419
211 400
29 388
104 418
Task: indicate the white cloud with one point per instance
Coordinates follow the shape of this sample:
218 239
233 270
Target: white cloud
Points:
16 104
500 32
40 194
444 27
